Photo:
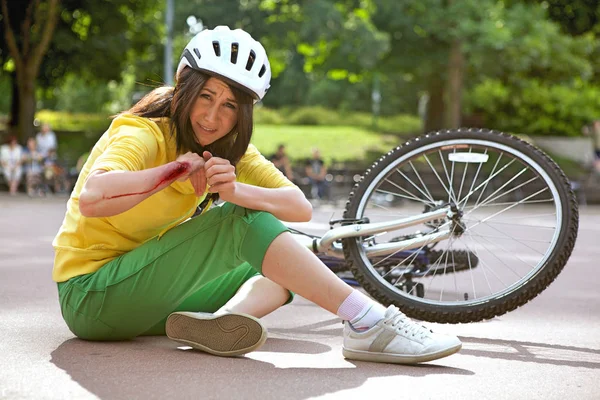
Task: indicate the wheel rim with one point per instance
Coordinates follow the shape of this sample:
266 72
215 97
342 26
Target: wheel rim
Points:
506 261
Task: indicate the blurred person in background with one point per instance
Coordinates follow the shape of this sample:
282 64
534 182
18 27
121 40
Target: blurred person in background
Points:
55 174
33 166
317 171
46 140
11 159
282 162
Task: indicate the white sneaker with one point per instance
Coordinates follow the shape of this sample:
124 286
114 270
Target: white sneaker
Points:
397 339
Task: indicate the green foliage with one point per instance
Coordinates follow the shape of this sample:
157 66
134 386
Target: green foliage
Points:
536 108
313 116
96 41
94 124
79 96
267 116
400 124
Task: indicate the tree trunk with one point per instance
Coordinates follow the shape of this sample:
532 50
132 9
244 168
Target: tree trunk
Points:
434 119
26 106
455 82
28 56
13 121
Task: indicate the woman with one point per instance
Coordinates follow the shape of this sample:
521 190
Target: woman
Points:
127 264
11 160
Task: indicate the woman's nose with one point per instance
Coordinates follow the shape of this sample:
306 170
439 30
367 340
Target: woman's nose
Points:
211 113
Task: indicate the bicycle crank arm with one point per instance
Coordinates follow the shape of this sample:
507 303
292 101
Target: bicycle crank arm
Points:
325 244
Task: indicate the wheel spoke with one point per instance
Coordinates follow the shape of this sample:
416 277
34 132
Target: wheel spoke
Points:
471 191
487 201
520 240
524 244
474 251
462 181
451 191
416 187
497 258
413 196
421 180
436 174
508 208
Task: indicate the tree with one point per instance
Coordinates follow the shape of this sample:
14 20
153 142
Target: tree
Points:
306 40
50 39
27 50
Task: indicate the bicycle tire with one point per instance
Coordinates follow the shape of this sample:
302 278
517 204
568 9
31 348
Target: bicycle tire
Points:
475 311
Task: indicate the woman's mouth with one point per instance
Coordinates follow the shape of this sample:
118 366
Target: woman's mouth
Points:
207 129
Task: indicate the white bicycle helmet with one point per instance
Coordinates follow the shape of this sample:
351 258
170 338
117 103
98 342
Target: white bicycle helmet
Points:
233 55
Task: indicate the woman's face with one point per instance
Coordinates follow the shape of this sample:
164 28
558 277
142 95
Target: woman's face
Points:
214 113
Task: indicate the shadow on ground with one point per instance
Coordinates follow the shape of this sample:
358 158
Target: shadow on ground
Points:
540 353
153 367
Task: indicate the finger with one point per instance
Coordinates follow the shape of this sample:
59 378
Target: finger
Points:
193 181
221 178
196 184
217 161
199 185
207 155
218 169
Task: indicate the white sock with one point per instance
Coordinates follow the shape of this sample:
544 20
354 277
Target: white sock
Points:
361 311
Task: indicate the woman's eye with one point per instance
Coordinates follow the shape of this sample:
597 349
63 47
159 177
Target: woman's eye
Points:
230 106
205 96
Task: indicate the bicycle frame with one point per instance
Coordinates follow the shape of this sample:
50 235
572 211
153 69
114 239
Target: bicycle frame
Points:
330 245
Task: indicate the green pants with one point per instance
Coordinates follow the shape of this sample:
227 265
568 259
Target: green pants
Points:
196 266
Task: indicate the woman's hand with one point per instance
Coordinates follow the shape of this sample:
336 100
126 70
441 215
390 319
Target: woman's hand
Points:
220 176
196 173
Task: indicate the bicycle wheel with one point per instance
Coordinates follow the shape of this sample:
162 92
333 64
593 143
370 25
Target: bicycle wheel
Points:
519 220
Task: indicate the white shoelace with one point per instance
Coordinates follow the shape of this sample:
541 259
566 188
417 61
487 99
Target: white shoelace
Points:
400 322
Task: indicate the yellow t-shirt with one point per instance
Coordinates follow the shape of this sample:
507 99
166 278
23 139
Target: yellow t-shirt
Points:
132 143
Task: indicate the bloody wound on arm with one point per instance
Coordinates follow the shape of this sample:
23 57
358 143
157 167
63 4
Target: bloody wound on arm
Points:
110 193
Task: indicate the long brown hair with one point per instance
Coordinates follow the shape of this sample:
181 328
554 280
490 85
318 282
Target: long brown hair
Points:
175 103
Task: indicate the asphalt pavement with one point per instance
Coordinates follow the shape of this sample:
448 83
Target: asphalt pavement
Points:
547 349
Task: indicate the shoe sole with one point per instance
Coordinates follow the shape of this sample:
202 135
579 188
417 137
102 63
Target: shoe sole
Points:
397 358
225 335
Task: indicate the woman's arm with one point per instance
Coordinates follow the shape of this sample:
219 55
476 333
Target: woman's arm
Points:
286 203
107 193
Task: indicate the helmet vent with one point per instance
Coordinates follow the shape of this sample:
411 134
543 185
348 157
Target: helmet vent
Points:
217 48
197 53
234 52
251 59
262 71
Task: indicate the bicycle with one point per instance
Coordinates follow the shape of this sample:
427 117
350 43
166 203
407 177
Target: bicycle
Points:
430 226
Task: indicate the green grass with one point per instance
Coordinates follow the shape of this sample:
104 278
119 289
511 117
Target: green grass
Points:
342 143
